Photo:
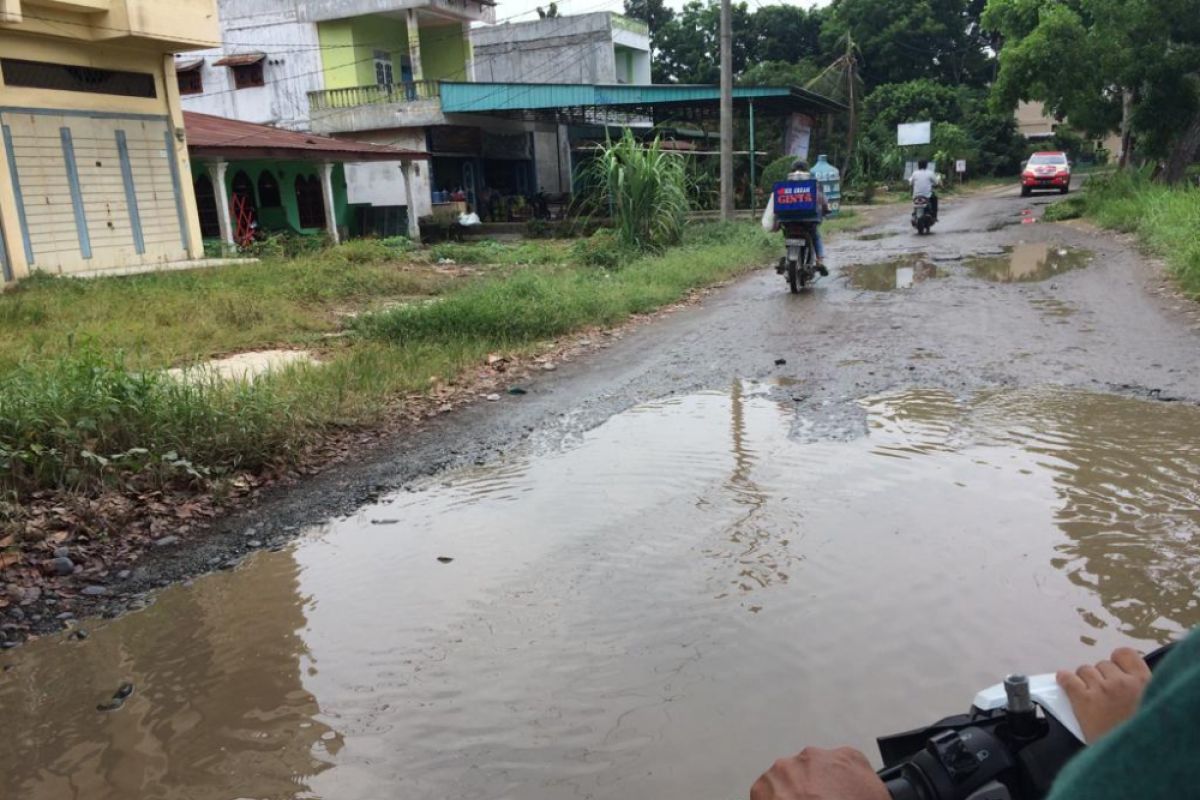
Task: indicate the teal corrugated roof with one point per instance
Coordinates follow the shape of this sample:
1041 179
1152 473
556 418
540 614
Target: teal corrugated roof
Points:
459 98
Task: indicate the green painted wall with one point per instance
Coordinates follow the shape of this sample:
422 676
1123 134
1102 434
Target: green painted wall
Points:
287 217
444 52
348 49
337 53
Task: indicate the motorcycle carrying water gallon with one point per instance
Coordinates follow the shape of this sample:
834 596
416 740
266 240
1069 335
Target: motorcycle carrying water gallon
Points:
797 209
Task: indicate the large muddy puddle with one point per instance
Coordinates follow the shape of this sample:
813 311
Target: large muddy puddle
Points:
1029 262
657 611
889 275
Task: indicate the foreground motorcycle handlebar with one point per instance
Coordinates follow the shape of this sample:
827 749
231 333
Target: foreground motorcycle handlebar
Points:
1004 749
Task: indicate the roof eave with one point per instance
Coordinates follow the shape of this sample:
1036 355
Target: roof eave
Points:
306 155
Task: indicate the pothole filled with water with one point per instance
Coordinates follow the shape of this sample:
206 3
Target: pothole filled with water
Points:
693 587
1029 262
890 275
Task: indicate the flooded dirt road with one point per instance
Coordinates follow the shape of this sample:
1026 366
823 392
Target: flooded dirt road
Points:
663 568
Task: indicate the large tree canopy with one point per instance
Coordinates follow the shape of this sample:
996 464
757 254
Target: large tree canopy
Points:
903 40
689 45
1096 61
655 13
906 59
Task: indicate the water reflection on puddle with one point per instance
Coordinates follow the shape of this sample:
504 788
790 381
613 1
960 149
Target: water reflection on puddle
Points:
1034 261
655 612
891 275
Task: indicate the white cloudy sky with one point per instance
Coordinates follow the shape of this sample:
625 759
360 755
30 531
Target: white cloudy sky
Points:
527 9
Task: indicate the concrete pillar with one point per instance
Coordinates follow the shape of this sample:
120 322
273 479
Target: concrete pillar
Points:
331 225
216 173
409 169
10 11
566 182
187 195
469 49
413 27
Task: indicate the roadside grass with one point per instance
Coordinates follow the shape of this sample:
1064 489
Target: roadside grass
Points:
529 305
488 251
86 419
846 220
160 319
84 416
951 186
1166 219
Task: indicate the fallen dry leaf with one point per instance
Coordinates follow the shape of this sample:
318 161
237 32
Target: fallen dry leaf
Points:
9 559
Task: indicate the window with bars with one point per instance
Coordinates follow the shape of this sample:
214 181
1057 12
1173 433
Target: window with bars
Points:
246 76
73 78
191 82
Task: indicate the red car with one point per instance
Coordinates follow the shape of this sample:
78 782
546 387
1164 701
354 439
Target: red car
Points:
1051 170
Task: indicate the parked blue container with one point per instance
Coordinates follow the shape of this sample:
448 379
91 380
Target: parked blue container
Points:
831 182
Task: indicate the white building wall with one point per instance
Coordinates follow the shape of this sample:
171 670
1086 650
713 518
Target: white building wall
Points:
641 68
293 69
381 183
573 49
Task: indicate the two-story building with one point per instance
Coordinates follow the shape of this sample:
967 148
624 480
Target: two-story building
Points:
312 65
373 70
503 151
93 145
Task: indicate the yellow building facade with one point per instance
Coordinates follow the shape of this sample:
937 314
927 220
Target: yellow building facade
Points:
94 171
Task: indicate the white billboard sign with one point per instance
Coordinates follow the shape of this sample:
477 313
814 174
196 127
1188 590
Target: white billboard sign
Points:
911 133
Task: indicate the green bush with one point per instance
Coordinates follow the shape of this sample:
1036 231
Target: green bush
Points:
644 188
601 249
1074 208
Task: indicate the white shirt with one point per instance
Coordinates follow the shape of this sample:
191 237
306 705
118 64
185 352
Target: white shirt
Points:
923 182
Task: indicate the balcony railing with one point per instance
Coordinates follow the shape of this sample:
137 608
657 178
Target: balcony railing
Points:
376 94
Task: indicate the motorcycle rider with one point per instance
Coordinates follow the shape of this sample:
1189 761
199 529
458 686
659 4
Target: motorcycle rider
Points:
799 172
1142 733
924 183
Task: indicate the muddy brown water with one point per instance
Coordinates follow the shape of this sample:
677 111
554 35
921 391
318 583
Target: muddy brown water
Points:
657 611
1029 262
886 276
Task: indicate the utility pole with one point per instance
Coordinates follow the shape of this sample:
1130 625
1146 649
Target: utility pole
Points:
851 62
726 110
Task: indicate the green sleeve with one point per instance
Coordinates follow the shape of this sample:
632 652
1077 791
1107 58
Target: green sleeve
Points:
1156 754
